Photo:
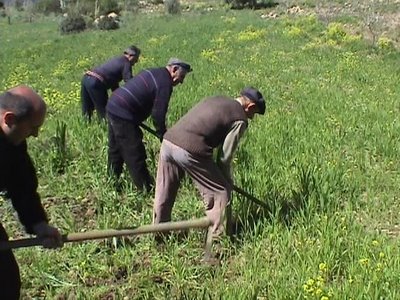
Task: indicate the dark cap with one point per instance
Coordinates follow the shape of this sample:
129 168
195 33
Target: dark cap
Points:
255 96
177 62
132 50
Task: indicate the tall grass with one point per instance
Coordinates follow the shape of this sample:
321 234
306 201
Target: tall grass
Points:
324 157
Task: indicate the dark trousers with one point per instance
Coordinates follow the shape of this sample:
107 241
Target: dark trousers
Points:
125 145
10 281
93 96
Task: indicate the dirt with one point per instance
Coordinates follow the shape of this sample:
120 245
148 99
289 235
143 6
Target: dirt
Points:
83 211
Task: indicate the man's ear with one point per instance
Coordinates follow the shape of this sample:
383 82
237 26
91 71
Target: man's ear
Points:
175 69
10 119
250 105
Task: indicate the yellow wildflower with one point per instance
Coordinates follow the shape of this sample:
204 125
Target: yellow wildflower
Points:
323 267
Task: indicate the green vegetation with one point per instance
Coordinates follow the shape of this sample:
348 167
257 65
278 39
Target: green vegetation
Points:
324 157
72 24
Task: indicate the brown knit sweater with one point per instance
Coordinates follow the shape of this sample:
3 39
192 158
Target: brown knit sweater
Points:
206 125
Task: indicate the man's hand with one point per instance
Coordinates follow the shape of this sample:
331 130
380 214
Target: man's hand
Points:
50 235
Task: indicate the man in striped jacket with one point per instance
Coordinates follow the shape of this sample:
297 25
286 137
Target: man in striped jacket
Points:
147 93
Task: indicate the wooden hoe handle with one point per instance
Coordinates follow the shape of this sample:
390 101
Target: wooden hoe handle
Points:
102 234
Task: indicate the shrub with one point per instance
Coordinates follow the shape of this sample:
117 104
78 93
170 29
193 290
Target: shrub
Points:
240 4
89 8
107 23
336 32
131 5
48 6
19 5
385 43
72 24
172 7
107 6
2 10
84 8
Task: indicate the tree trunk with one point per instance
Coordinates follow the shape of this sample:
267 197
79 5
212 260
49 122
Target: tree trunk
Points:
96 9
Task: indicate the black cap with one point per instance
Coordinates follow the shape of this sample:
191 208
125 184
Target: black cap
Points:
132 50
255 96
177 62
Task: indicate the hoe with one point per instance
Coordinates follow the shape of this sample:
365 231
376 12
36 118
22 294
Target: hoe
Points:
235 188
102 234
145 229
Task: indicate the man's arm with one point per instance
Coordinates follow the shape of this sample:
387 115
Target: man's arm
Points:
228 148
127 72
160 109
21 188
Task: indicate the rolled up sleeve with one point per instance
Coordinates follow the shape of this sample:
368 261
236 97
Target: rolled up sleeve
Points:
160 109
228 148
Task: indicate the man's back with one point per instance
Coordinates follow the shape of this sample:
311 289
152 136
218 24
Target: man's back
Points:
134 101
205 126
114 70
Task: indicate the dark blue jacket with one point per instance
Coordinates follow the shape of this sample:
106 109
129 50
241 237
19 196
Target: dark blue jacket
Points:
147 93
113 71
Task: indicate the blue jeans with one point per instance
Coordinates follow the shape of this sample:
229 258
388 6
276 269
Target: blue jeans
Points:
94 96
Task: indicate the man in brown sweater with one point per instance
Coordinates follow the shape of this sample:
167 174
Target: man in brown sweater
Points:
217 122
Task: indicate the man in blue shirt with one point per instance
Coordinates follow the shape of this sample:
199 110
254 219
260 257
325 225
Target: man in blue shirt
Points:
148 93
97 82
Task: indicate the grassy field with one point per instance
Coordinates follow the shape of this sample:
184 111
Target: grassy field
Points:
324 157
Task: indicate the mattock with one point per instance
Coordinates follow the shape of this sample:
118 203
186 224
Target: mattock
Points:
109 233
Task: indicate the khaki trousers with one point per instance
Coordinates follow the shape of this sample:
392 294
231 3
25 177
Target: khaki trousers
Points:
207 177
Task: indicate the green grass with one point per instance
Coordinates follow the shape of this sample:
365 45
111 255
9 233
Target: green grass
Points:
325 158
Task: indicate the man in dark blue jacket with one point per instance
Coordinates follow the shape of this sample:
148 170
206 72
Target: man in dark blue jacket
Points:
148 93
22 113
97 82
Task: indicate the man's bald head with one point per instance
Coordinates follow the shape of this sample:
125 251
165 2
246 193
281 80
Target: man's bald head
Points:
22 112
24 101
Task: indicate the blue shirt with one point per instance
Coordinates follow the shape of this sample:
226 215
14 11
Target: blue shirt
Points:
113 71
